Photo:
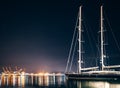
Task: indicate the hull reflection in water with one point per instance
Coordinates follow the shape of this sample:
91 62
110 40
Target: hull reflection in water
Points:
92 84
24 80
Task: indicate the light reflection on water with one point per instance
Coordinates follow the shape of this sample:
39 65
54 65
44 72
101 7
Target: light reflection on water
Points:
23 80
51 81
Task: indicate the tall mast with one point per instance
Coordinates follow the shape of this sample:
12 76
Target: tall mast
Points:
102 41
80 39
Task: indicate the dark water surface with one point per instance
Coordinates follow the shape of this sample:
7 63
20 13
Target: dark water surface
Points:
52 81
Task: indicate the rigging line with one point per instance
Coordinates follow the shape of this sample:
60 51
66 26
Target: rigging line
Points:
89 42
105 43
112 32
106 47
71 44
73 53
92 49
98 48
88 37
91 34
98 45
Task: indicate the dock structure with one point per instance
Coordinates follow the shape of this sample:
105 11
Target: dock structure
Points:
9 76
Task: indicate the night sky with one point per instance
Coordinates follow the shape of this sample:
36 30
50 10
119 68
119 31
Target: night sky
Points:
36 34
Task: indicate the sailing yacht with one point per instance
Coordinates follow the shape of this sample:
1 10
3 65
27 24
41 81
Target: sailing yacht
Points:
98 72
